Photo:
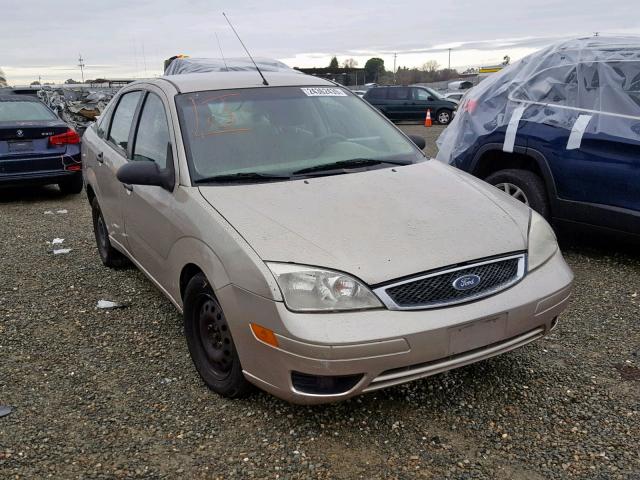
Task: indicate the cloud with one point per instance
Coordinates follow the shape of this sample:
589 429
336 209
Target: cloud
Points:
128 39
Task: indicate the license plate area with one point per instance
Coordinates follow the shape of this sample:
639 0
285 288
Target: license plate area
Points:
474 335
20 146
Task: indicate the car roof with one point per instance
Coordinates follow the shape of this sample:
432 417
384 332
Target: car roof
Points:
196 82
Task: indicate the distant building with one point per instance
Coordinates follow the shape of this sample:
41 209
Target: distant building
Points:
3 79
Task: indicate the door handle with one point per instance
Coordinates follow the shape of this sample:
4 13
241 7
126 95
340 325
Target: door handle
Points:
127 187
100 157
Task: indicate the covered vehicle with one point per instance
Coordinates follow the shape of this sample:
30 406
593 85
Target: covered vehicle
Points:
36 147
560 131
312 247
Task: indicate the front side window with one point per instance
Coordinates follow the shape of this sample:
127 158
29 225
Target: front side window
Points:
152 139
122 119
420 94
284 130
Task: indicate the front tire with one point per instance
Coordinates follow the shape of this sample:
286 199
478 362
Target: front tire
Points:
444 116
523 185
110 257
73 186
210 342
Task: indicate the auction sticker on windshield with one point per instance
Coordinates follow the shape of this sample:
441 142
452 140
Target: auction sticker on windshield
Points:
324 92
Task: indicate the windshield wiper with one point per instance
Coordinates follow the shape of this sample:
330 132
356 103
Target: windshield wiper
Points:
351 163
242 177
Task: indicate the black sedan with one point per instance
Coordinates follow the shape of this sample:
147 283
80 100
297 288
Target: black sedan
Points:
36 147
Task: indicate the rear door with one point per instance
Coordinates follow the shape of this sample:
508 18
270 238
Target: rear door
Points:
110 158
151 214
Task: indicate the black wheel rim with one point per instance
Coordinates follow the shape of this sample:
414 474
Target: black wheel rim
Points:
215 337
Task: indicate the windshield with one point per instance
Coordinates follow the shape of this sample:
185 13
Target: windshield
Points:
282 131
24 111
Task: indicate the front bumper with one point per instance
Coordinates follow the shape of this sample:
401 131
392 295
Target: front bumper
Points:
390 347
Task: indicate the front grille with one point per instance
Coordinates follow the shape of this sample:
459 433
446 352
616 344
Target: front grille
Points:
437 289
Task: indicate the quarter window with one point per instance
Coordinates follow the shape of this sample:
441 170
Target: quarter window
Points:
152 139
122 119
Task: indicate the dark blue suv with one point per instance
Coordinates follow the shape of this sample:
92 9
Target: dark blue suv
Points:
559 131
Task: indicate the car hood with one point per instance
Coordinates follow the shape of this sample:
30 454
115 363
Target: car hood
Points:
378 224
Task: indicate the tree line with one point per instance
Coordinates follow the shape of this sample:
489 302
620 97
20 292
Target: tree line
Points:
375 72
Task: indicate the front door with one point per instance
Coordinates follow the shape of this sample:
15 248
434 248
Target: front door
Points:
151 214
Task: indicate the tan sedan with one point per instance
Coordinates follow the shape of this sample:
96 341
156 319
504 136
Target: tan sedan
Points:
314 250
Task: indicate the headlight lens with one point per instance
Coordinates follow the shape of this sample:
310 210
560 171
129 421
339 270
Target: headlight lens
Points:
542 241
309 289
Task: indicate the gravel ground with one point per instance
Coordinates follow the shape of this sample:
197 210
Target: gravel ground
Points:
113 393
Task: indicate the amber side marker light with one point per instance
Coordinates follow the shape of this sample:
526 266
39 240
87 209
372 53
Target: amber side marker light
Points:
264 334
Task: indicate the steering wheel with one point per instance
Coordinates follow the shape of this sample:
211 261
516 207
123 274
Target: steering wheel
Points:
319 144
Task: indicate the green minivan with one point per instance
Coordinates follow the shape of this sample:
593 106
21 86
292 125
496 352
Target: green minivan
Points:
411 103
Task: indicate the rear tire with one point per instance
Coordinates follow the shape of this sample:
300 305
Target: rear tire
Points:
523 185
210 343
110 257
73 186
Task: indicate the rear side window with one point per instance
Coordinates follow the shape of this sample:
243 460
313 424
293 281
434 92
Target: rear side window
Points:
152 138
377 93
24 111
122 119
399 93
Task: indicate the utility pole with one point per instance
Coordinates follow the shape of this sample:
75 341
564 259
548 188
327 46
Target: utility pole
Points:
449 59
81 65
395 55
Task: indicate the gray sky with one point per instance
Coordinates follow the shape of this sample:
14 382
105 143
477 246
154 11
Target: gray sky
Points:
131 39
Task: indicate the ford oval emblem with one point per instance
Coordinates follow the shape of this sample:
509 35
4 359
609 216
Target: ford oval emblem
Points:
466 282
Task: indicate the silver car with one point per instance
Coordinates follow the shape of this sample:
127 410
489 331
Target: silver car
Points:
313 249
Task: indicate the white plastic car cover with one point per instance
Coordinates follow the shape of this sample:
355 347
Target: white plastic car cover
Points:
588 85
204 65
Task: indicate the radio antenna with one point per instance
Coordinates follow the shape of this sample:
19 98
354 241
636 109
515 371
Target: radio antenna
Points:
264 80
221 52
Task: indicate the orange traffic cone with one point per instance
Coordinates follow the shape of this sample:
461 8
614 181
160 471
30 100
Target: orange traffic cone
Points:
427 120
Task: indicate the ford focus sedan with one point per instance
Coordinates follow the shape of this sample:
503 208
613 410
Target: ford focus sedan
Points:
313 249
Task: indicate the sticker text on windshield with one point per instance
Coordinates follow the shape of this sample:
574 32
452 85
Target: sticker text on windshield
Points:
324 92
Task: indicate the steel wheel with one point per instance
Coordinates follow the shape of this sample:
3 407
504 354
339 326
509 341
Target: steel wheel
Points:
215 337
513 191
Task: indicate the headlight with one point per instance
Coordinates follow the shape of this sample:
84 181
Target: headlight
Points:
309 289
542 241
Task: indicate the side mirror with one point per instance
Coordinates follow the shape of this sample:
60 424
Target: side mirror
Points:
431 99
145 172
419 141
